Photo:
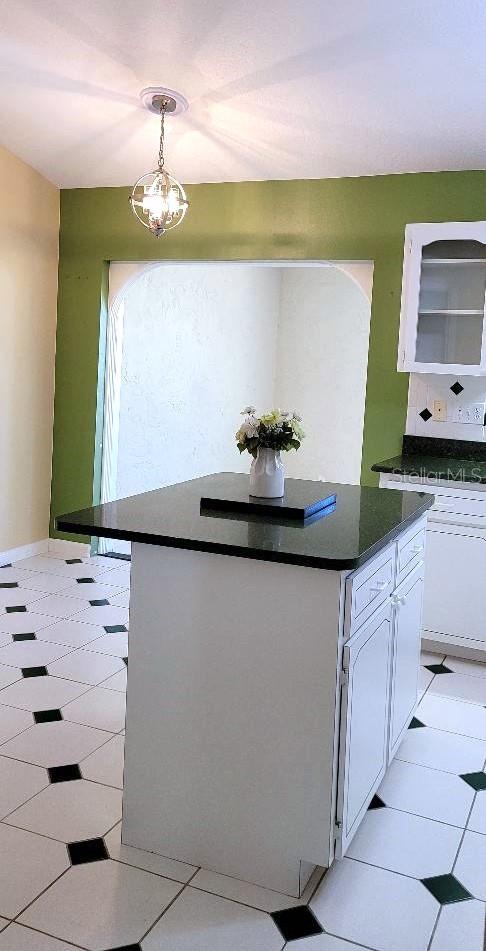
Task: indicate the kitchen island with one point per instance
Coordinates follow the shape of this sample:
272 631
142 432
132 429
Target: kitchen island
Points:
272 670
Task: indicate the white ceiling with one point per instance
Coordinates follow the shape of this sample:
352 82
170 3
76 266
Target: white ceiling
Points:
276 88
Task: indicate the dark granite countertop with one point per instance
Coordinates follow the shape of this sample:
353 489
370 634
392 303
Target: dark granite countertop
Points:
427 459
364 521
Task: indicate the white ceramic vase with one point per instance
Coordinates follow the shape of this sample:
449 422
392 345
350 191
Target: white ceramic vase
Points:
267 475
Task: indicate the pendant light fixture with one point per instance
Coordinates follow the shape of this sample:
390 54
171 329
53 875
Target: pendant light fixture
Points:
158 200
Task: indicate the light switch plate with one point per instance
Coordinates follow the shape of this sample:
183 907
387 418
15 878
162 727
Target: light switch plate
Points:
439 411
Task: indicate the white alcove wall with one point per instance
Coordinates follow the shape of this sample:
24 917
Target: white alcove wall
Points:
190 344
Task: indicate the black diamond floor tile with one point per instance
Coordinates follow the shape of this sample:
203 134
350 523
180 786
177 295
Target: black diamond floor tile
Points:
64 774
89 850
74 561
47 716
8 565
26 636
128 947
9 584
415 724
377 803
115 628
446 889
16 609
298 922
99 603
125 661
476 780
85 580
34 671
438 669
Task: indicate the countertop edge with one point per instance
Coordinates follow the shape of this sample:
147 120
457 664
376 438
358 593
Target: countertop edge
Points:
401 465
63 524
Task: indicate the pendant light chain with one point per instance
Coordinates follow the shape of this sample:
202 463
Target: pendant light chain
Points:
161 144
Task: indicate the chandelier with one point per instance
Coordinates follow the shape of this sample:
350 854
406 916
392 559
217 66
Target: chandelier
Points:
158 200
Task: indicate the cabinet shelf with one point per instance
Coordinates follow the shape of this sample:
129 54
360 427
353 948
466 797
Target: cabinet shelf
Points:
448 313
452 261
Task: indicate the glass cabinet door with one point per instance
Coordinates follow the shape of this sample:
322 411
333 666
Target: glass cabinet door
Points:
442 323
451 303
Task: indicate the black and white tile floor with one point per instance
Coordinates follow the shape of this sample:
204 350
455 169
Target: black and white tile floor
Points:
414 878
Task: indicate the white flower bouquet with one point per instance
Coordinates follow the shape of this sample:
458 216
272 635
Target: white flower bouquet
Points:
275 430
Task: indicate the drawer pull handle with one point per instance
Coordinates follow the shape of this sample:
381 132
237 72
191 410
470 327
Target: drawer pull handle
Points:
417 549
379 586
398 599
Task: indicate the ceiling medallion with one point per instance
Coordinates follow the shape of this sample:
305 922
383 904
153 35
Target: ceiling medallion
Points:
158 200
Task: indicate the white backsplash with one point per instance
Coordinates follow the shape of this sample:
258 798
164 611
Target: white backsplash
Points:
424 388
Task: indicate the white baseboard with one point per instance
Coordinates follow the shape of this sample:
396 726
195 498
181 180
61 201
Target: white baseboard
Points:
48 546
63 548
24 551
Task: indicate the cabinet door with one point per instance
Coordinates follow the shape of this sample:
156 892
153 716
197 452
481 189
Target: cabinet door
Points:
407 630
442 325
364 722
455 576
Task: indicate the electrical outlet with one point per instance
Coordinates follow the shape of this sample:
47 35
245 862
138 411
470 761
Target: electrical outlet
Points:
439 414
470 413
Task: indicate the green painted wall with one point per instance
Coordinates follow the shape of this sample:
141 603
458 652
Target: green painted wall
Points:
333 219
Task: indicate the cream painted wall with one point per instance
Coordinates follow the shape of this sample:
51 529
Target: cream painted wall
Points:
29 227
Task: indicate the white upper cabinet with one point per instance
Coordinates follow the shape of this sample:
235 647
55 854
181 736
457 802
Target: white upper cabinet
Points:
442 323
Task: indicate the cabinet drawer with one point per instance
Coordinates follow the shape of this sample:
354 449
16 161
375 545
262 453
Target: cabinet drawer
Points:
454 505
411 550
368 592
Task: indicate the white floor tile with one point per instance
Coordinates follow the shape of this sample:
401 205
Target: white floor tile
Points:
427 792
460 925
440 750
54 744
374 907
57 566
470 867
424 680
18 938
97 590
12 596
31 653
5 639
427 657
13 721
477 819
108 614
455 716
131 901
3 924
86 666
122 600
261 898
101 708
18 782
25 622
319 942
149 861
40 581
119 575
459 687
405 843
118 681
41 693
462 666
71 633
201 922
115 644
59 606
29 864
8 675
105 765
70 811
